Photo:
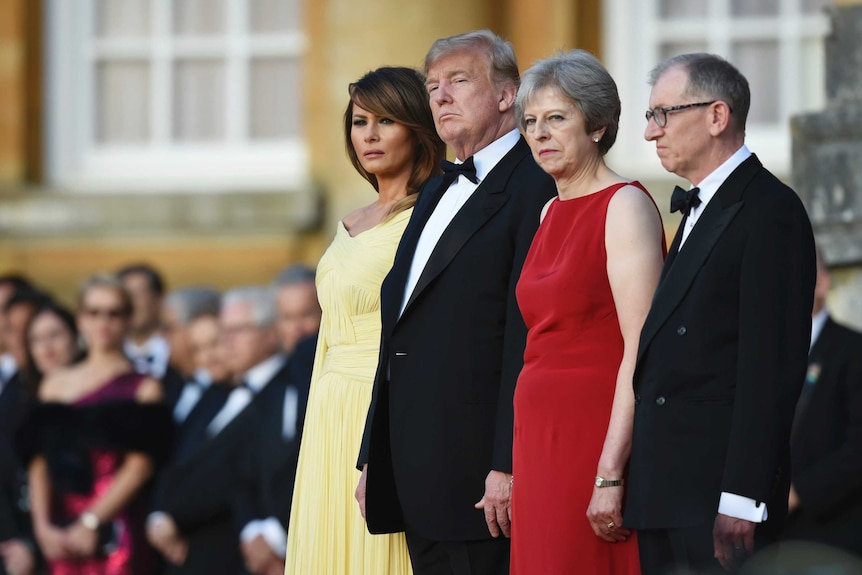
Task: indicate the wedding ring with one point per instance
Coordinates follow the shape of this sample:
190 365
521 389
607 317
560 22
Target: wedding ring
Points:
611 525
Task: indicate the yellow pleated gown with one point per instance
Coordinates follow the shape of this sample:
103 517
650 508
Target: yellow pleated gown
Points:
327 534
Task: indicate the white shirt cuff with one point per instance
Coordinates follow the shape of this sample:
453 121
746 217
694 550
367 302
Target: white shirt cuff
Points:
157 517
275 535
250 531
742 508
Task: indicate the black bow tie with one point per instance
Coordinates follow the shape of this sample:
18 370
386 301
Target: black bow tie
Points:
467 169
684 200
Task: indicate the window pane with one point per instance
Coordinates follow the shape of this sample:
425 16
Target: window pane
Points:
682 8
275 98
815 6
670 49
122 18
812 72
122 106
754 8
199 100
199 17
268 16
758 61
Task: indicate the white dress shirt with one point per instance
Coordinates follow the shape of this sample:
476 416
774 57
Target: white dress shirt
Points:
151 357
8 368
709 186
451 203
729 503
817 323
191 394
253 382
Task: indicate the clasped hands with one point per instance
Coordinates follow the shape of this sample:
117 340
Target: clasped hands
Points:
76 540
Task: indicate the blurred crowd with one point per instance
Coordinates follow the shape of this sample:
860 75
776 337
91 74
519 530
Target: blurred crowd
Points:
152 429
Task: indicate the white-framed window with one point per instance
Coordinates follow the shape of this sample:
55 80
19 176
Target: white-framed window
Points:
776 44
175 95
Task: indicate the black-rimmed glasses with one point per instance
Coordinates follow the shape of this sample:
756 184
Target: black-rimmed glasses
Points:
660 114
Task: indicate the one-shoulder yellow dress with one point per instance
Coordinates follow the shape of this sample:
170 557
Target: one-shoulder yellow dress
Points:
327 534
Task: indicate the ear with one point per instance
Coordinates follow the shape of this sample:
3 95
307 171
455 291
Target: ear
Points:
718 118
597 135
507 97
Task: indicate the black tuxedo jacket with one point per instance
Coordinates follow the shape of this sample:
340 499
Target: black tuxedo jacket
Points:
270 465
722 356
826 447
14 517
200 489
442 418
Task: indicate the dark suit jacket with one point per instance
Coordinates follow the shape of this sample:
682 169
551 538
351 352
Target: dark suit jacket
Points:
445 420
722 356
826 447
269 468
14 517
199 491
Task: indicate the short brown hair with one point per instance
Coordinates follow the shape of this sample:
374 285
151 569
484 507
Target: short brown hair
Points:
108 281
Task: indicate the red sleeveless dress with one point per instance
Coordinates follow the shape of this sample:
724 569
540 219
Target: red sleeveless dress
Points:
564 394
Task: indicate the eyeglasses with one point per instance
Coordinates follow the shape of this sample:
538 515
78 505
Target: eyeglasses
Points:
660 114
107 313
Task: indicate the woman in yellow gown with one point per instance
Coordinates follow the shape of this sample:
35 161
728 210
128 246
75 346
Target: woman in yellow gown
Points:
392 143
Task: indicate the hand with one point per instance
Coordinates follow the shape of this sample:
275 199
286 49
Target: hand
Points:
17 557
162 533
258 555
276 567
792 499
497 503
605 514
52 541
733 540
360 490
81 541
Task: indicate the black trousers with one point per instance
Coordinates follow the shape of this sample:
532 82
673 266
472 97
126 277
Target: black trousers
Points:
483 557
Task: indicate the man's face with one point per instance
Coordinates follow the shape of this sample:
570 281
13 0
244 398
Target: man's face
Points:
467 106
298 314
146 304
178 338
18 319
682 143
245 343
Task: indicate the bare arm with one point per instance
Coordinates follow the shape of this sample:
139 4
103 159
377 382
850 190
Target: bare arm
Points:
634 260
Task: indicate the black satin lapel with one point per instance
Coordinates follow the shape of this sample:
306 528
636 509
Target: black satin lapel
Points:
475 212
392 290
674 249
688 261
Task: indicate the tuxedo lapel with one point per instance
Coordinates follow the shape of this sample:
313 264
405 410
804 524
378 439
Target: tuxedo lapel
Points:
674 249
488 198
680 271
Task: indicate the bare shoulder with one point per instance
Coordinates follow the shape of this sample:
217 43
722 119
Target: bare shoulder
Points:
149 391
632 216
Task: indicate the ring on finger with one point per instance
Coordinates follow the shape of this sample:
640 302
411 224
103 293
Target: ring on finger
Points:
611 525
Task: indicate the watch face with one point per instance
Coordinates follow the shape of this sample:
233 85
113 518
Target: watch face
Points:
599 481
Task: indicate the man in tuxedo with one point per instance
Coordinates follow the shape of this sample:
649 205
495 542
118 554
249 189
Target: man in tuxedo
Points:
181 307
298 309
194 524
18 301
436 456
723 349
826 491
146 347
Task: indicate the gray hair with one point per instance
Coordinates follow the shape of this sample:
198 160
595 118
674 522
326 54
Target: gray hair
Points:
261 299
712 77
581 78
190 303
502 64
292 275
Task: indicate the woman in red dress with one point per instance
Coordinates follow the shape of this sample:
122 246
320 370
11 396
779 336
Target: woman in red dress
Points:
584 292
92 443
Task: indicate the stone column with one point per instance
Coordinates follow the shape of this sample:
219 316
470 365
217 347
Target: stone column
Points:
827 161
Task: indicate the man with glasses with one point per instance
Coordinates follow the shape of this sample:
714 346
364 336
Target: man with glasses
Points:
724 347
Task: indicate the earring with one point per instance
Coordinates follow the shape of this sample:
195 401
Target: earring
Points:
596 139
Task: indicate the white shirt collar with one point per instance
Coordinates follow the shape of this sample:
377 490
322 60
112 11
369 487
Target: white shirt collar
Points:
710 184
489 156
261 374
817 323
203 377
8 366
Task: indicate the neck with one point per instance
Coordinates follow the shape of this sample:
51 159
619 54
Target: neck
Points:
464 150
140 337
586 180
97 355
714 158
391 189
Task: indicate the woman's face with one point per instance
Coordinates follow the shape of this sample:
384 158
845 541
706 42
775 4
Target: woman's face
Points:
207 349
384 147
102 319
52 344
557 136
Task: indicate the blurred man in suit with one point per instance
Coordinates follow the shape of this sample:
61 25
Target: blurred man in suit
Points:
723 350
146 347
194 524
826 444
298 308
